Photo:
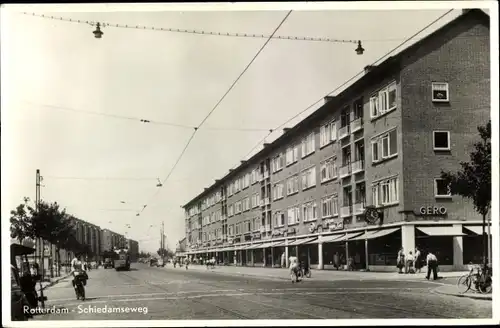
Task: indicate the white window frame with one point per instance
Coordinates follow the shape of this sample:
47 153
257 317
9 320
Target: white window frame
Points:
447 88
379 142
377 100
305 174
279 222
293 215
277 187
290 183
434 140
292 155
327 133
313 206
392 185
308 144
324 165
436 195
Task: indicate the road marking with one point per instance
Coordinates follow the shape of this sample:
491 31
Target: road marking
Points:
221 295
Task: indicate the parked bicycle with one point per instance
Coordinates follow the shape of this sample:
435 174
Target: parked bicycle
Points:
479 278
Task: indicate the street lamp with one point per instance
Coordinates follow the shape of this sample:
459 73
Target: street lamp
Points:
159 183
360 50
98 33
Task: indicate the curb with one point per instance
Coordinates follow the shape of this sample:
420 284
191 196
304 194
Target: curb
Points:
52 283
471 296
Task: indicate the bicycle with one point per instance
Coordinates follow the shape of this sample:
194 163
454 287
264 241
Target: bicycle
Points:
478 277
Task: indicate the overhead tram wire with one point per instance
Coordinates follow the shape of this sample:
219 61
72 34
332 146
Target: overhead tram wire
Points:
122 117
346 82
217 105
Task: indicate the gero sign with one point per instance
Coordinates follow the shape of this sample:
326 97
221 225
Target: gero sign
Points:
433 210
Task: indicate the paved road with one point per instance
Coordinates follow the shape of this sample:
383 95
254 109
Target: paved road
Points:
168 293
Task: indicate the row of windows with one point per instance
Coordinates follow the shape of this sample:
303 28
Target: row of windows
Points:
383 146
243 205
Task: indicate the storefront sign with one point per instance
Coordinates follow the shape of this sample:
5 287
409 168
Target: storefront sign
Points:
433 210
336 225
290 231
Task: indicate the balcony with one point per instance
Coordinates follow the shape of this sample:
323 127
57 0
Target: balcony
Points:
345 171
224 217
356 125
357 166
266 174
262 203
344 132
358 208
345 211
268 227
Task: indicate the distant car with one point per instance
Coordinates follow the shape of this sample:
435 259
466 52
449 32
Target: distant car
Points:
108 263
153 262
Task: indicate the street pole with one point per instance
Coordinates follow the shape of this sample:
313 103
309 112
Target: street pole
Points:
42 246
489 242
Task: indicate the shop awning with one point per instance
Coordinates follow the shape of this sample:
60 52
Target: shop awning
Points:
478 230
375 234
301 241
314 241
278 243
349 236
442 231
264 245
332 238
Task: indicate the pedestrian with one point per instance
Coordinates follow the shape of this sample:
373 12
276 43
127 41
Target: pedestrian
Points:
401 260
418 261
432 265
283 260
409 263
336 260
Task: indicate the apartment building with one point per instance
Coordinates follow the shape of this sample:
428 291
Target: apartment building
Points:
360 176
111 240
133 248
89 234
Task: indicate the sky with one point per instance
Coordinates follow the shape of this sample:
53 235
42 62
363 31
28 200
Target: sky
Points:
53 70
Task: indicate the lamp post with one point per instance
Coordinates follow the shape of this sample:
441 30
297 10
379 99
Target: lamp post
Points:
98 33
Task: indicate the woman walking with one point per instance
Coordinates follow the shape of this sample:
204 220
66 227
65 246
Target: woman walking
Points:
401 260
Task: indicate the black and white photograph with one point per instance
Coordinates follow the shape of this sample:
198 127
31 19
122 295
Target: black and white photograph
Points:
232 163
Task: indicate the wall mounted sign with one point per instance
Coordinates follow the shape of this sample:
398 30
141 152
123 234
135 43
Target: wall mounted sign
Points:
290 231
372 215
312 227
256 235
336 225
432 210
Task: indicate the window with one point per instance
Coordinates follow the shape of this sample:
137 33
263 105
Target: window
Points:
383 101
441 189
292 155
360 194
292 185
440 92
328 133
344 117
384 146
293 215
358 108
309 211
309 178
256 224
329 170
277 163
346 155
246 204
237 186
308 145
329 206
279 219
245 181
441 140
231 230
359 150
255 176
247 227
278 191
347 199
238 207
230 210
385 192
238 228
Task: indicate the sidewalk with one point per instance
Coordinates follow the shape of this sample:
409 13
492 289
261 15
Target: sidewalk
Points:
452 290
52 282
322 275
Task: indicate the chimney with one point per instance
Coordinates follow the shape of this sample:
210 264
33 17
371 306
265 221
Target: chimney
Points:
231 170
285 130
243 162
266 144
328 98
369 68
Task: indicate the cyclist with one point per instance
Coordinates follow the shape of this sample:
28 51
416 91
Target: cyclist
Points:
77 268
294 267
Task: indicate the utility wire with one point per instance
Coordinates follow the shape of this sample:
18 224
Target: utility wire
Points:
142 120
191 31
217 104
346 82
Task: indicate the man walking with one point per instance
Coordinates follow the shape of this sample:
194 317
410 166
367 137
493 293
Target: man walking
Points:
432 265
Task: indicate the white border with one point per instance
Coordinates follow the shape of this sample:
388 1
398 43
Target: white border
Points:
372 5
434 140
